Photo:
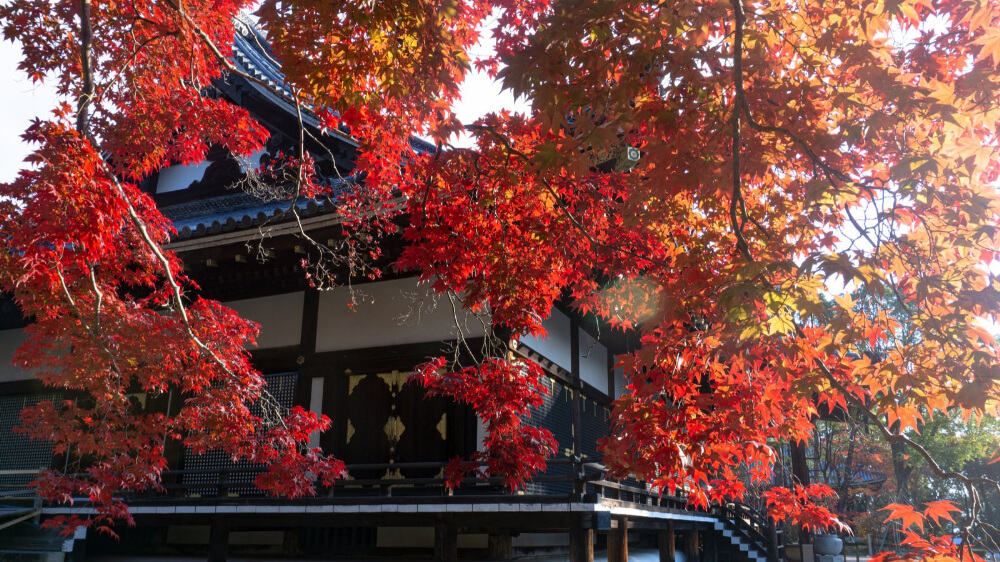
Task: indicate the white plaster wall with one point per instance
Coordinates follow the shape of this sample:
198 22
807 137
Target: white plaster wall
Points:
316 406
388 313
480 434
556 347
619 383
279 316
593 362
175 178
9 341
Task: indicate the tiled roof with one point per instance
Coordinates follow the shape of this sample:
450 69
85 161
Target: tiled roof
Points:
243 211
239 211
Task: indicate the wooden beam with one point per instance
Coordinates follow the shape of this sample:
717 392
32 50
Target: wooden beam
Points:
310 323
691 547
500 546
667 543
574 346
445 541
618 542
611 376
581 541
711 549
218 542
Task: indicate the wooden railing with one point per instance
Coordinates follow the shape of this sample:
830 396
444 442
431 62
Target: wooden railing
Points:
24 499
578 480
753 525
585 478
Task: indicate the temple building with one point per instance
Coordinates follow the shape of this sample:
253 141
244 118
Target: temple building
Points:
351 363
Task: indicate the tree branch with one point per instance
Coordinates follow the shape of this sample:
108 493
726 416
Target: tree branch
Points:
86 70
739 100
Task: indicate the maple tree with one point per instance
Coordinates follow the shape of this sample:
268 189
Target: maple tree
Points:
787 148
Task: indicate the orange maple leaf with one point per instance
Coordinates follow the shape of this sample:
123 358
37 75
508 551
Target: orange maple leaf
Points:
941 509
906 513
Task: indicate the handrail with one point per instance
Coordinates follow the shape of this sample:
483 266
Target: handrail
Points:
752 525
587 478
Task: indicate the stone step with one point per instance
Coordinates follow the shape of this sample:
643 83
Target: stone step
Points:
30 537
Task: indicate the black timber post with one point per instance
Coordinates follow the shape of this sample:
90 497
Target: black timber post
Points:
310 323
574 346
618 541
581 539
667 543
500 546
691 546
611 376
307 348
711 548
800 473
772 541
445 540
218 542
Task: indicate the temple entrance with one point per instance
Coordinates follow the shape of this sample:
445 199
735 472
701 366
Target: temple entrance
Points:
392 421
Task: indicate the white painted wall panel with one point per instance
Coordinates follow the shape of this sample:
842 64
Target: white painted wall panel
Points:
593 362
620 383
279 316
177 177
388 313
9 341
316 406
555 347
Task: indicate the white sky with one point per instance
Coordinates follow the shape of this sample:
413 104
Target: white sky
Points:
21 101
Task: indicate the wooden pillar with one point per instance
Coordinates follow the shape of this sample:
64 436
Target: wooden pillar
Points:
581 541
691 546
218 542
445 541
618 542
574 347
667 543
800 464
500 546
800 472
711 548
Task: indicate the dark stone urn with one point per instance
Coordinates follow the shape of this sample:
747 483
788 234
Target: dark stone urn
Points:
828 545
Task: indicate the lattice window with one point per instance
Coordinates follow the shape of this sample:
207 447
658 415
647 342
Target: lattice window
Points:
18 451
282 388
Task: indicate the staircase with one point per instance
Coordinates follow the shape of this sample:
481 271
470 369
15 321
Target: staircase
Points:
27 542
749 531
741 549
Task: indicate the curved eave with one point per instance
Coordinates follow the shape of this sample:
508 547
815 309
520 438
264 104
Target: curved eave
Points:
251 55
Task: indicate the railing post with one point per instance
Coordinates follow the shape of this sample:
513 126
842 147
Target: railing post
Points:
579 484
772 539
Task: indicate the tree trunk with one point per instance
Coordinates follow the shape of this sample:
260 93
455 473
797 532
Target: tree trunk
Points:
848 471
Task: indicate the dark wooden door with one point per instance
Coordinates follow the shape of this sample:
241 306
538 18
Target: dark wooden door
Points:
392 421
